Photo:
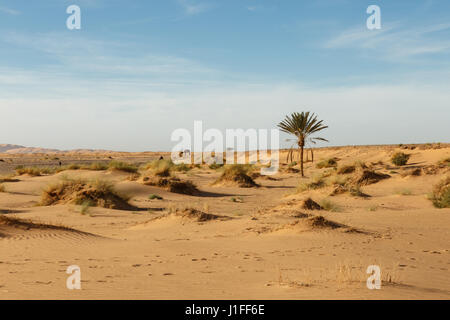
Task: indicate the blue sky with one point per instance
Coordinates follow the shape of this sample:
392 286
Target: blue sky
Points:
137 70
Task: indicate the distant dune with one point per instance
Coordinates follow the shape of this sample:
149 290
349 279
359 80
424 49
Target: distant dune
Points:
17 149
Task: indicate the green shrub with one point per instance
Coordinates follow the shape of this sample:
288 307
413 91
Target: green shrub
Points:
155 196
400 158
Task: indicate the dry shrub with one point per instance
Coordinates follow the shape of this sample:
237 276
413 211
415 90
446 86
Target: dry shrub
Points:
171 184
164 168
445 162
314 183
237 174
35 171
310 204
441 194
411 172
97 193
400 158
365 177
122 166
2 188
327 163
346 169
338 189
197 215
322 223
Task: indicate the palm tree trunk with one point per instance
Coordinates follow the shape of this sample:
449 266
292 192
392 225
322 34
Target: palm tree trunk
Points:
301 160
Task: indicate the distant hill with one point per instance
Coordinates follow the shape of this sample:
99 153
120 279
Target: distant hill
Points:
16 149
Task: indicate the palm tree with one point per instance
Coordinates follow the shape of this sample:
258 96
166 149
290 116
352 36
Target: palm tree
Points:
302 125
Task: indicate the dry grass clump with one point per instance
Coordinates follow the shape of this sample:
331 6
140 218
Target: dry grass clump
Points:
400 158
197 215
445 162
314 183
237 174
34 171
310 204
365 177
415 172
122 166
328 205
171 184
327 163
441 194
164 168
97 193
2 188
346 169
322 223
159 168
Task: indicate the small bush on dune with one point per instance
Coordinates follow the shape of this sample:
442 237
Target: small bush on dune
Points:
237 174
366 177
441 194
98 193
122 166
160 168
171 184
346 169
328 163
400 158
314 183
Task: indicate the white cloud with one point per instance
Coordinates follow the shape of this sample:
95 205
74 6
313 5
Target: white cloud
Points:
191 8
9 11
394 42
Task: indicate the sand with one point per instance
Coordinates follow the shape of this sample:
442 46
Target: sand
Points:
264 245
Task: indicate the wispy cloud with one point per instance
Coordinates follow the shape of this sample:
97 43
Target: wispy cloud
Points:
193 8
395 41
9 11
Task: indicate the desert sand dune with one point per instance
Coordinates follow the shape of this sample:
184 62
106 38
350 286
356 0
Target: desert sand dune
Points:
228 241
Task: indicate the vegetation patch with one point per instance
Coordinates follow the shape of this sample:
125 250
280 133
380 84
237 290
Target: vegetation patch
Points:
98 193
346 169
310 204
366 177
314 183
440 195
237 174
327 163
122 166
400 158
171 184
199 216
